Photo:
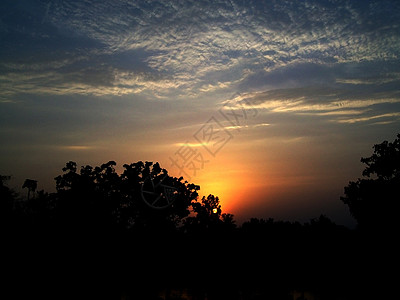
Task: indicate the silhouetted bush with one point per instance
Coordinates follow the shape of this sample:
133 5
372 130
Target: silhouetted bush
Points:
373 200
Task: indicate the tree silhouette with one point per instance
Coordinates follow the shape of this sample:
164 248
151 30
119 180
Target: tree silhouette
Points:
7 203
99 197
209 217
6 194
31 185
373 199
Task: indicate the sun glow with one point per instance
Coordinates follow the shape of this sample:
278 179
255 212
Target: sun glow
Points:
229 186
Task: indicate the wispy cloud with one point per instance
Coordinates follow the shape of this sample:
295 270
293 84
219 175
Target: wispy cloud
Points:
195 47
247 126
334 104
76 148
364 119
382 79
190 145
337 112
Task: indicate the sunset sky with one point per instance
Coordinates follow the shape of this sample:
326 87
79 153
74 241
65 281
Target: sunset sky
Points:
267 104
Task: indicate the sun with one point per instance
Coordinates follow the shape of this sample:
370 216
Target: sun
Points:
229 189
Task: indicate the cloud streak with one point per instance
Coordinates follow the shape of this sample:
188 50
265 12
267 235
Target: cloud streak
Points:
183 48
338 105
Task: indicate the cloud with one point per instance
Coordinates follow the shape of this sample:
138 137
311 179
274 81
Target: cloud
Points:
395 116
246 126
335 104
191 144
76 148
165 49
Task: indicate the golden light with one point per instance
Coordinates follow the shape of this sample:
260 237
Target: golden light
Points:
228 177
215 210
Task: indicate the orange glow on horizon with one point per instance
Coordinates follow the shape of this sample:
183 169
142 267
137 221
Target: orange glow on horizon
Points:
230 177
230 187
262 178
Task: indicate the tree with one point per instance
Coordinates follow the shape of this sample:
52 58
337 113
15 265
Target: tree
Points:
7 196
100 198
373 199
31 185
208 213
209 217
7 202
137 210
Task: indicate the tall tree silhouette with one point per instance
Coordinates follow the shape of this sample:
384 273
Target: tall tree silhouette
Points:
100 198
7 203
139 209
209 217
373 199
31 185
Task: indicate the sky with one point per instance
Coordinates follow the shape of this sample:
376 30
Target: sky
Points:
267 104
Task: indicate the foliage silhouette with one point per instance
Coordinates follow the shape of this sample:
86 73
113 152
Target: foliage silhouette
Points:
100 198
31 185
209 217
98 226
372 200
7 204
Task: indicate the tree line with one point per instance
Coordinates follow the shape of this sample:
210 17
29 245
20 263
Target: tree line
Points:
99 199
145 228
